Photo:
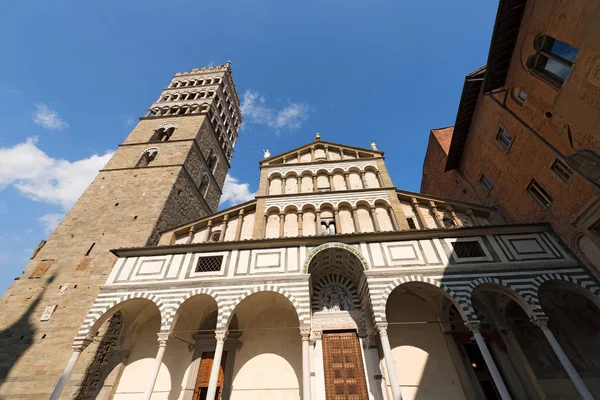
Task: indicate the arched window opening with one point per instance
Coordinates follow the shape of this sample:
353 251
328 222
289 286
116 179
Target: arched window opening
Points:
328 227
449 223
147 157
212 161
204 185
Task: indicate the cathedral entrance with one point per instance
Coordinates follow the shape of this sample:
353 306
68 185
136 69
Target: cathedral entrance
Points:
206 364
344 372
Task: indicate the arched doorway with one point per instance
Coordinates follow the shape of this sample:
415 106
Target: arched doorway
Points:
339 322
268 361
420 344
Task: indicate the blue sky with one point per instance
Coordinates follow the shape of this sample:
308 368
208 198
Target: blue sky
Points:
76 75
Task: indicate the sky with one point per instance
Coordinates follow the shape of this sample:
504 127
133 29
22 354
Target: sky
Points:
75 76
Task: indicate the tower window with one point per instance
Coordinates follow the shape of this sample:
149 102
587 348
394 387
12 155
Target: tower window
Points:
162 134
540 194
147 158
553 59
411 224
209 264
204 185
212 161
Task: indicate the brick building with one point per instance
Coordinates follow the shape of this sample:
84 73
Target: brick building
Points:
527 131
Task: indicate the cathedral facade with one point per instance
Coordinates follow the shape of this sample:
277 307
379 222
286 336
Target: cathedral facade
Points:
331 284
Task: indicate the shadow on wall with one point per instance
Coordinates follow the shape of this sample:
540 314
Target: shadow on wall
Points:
17 338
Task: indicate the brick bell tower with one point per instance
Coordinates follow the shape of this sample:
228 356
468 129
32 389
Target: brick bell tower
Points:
170 170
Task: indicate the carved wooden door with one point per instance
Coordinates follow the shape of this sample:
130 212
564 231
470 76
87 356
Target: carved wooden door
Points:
204 376
343 364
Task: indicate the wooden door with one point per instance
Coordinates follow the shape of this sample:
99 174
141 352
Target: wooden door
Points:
204 376
343 364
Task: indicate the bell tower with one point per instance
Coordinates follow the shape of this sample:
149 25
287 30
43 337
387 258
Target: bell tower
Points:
169 171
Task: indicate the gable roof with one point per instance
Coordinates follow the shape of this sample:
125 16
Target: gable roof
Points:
374 153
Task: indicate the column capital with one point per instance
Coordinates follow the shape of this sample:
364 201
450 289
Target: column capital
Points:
317 212
305 333
221 336
541 322
241 212
382 328
163 339
209 222
281 213
317 335
299 212
473 326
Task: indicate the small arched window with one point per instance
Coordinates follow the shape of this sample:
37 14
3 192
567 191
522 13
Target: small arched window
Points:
328 227
212 161
147 157
204 185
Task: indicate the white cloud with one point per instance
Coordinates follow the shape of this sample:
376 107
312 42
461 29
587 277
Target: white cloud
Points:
46 179
45 117
255 111
51 221
235 192
129 120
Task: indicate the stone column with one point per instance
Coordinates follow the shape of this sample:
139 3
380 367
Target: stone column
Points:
331 182
327 153
489 361
265 227
299 184
374 218
216 366
347 179
208 231
338 224
564 360
224 228
315 189
240 222
312 153
318 222
283 185
190 235
319 371
60 385
281 224
355 220
305 332
436 216
269 186
300 223
393 218
163 338
363 179
456 220
379 179
389 361
341 154
472 216
417 210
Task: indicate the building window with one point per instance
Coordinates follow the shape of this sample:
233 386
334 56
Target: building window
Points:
411 224
449 223
553 59
485 183
540 194
468 249
209 264
520 96
328 227
203 185
212 161
503 138
147 157
561 171
162 134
